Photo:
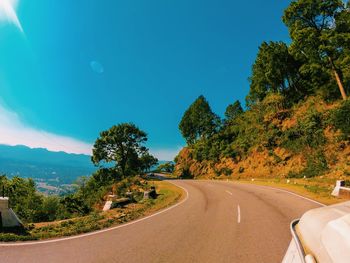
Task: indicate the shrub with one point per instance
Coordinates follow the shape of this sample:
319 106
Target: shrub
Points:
9 237
186 173
340 119
308 132
316 165
226 171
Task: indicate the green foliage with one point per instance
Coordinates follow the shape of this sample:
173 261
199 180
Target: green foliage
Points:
309 131
30 205
167 167
226 171
90 191
340 119
186 174
10 237
69 227
315 64
320 35
122 145
147 161
316 165
246 131
198 121
125 185
76 205
51 209
275 71
233 111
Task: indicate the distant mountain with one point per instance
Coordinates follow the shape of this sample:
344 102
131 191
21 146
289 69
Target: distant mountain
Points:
53 169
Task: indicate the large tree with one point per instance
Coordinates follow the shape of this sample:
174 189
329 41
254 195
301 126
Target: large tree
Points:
274 70
314 27
147 161
198 121
166 167
123 146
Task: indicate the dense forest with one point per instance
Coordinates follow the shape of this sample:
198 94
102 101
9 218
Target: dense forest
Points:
296 119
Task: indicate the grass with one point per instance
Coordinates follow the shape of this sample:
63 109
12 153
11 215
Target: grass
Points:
168 194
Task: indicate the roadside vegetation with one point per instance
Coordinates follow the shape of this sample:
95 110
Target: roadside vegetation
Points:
168 195
295 123
122 160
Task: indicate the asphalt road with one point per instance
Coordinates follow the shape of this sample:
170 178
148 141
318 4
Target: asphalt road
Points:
217 222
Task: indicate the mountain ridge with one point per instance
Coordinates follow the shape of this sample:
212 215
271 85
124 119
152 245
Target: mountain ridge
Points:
52 171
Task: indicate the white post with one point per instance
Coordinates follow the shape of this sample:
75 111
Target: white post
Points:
339 184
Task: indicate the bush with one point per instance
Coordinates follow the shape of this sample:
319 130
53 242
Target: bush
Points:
340 119
226 171
316 165
186 173
307 132
9 237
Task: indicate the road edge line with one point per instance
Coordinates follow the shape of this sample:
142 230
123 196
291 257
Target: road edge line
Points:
292 193
29 243
271 187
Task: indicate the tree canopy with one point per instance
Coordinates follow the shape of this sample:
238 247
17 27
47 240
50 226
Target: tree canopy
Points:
198 121
123 146
147 161
167 167
274 70
233 111
320 35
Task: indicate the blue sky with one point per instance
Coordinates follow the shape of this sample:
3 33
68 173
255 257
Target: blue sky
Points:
70 69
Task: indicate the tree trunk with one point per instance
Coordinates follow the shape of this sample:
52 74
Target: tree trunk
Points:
337 78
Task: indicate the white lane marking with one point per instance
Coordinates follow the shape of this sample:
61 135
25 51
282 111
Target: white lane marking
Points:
228 192
279 189
238 214
103 230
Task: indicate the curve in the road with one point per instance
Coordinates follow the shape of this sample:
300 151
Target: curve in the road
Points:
217 222
28 243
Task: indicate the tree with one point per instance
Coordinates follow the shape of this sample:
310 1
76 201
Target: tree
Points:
121 145
198 121
233 111
275 70
313 28
166 167
342 21
147 161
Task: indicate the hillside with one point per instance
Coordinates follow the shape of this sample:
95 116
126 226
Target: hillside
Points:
293 123
53 172
309 139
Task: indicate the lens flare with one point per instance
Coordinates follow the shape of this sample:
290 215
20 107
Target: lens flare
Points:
8 13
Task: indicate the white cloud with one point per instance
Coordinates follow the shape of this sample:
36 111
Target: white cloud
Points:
8 12
15 132
165 154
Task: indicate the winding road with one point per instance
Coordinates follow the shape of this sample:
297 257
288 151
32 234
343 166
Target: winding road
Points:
216 222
